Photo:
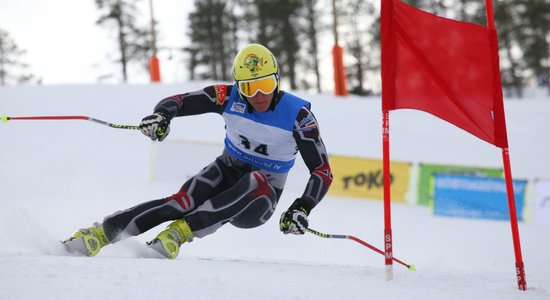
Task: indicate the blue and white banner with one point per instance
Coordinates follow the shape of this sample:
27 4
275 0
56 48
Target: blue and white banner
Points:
476 197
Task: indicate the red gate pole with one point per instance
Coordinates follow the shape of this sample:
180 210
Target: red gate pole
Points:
388 47
520 269
388 245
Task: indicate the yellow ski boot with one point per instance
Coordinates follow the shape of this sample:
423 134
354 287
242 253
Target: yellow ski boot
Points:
87 241
168 242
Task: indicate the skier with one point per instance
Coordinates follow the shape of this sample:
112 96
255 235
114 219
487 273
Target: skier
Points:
265 128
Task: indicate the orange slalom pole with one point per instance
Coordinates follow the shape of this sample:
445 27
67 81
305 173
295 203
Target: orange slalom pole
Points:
154 69
339 71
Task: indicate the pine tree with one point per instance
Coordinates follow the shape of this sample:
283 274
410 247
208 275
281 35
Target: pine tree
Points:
472 11
312 17
512 66
212 33
534 37
277 28
12 69
134 41
359 38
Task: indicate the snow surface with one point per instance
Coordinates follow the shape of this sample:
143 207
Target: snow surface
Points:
58 176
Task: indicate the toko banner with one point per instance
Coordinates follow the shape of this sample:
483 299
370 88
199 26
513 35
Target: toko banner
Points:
363 178
476 197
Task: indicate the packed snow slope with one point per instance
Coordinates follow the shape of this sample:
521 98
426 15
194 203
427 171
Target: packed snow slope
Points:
58 176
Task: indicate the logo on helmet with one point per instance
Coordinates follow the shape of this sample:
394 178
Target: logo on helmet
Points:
253 63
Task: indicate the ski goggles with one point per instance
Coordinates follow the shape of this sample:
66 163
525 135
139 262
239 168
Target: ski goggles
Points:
265 85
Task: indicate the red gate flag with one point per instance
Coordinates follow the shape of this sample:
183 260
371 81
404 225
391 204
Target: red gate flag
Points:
451 70
444 67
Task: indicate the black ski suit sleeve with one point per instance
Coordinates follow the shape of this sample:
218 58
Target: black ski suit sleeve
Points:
212 98
314 154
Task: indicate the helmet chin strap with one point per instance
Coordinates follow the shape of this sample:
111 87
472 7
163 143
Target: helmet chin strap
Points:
277 93
276 97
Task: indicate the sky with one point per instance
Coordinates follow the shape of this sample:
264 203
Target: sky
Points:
65 46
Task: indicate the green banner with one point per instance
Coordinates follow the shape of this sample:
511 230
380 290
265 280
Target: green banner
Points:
427 172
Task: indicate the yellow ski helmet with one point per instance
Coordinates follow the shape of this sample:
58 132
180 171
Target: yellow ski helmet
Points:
252 65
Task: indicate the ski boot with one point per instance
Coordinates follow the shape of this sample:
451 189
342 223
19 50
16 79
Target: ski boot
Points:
87 241
168 242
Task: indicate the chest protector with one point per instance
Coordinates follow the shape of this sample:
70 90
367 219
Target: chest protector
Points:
263 139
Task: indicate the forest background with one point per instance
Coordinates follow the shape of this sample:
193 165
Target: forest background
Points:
301 34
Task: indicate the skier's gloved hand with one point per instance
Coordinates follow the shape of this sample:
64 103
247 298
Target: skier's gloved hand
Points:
155 126
294 220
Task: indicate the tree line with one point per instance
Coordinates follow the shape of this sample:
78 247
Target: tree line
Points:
300 34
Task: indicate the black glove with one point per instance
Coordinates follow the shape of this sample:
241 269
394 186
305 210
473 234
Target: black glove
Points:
294 220
155 126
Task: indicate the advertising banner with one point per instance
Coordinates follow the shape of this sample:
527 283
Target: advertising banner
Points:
476 197
542 201
426 174
363 178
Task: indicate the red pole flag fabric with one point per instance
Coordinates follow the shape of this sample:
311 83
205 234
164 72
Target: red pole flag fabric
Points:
444 67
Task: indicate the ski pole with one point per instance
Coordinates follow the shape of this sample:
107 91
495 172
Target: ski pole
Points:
351 237
5 119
